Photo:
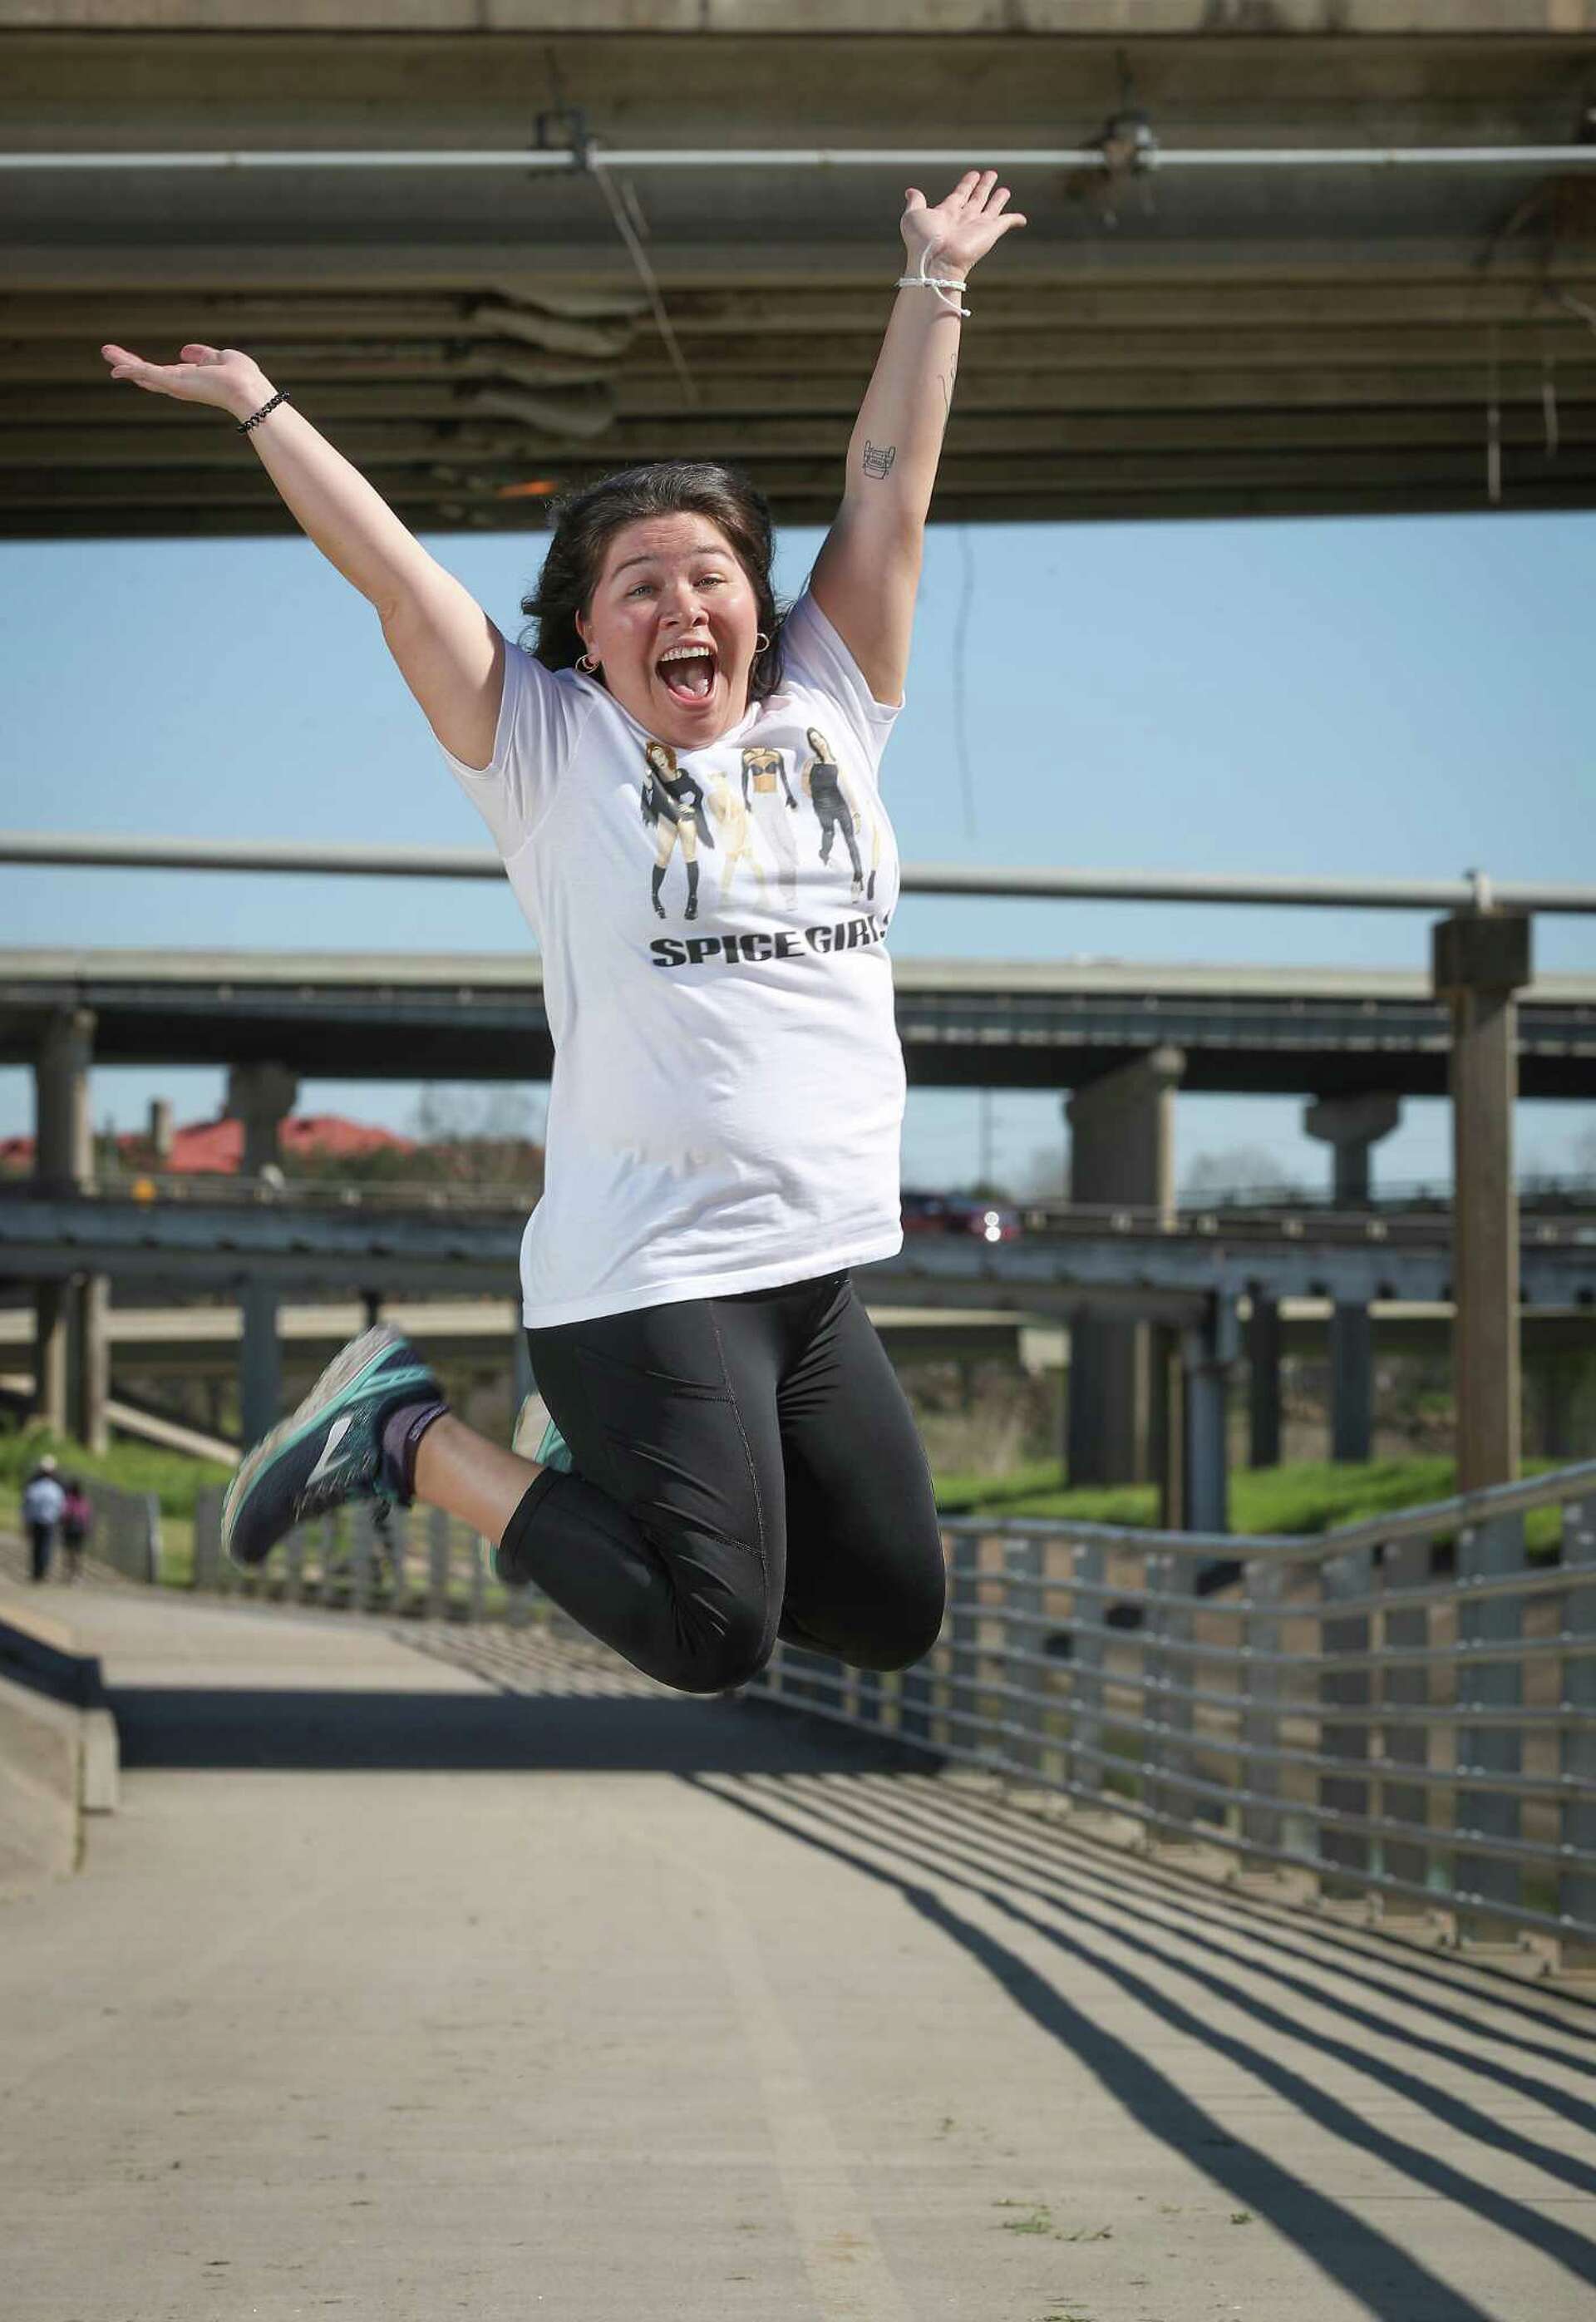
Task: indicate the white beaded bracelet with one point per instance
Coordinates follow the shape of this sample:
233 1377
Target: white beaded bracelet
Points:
940 283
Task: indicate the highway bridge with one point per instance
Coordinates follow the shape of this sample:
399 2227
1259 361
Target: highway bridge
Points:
1185 1277
1245 287
1132 1259
965 1023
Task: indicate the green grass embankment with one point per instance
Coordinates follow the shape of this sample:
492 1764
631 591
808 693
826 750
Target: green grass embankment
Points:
1304 1500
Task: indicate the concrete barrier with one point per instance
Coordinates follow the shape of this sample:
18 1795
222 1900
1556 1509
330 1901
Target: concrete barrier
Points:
59 1759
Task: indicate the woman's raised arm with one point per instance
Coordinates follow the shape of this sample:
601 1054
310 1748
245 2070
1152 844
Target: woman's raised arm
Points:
449 654
867 573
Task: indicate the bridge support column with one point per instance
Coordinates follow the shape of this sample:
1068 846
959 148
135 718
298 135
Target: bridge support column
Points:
88 1360
262 1096
1207 1353
1167 1423
1121 1156
1351 1126
1263 1359
70 1367
1352 1381
1479 963
51 1303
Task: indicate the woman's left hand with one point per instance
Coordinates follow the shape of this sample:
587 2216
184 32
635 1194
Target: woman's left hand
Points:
963 227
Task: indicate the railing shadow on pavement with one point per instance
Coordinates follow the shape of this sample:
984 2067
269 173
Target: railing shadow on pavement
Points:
1395 1720
1028 1931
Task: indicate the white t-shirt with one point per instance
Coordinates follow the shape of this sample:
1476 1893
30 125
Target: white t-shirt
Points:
728 1088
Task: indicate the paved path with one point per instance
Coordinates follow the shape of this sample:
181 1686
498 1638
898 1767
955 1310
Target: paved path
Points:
465 1974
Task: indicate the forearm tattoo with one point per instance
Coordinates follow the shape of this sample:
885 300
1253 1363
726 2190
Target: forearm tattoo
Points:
879 458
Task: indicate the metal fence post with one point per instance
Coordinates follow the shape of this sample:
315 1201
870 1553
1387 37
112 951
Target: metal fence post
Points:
294 1554
1406 1564
963 1645
1186 1672
397 1535
1260 1687
437 1592
207 1572
1576 1885
1025 1583
1345 1792
1157 1570
152 1543
1484 1551
363 1559
1089 1565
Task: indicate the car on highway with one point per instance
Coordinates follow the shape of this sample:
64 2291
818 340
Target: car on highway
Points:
960 1213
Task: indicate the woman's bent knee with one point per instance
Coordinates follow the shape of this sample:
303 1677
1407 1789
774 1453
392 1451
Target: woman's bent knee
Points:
899 1653
720 1664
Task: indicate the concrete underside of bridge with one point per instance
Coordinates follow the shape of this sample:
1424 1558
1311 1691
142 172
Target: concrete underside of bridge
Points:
1219 342
963 1023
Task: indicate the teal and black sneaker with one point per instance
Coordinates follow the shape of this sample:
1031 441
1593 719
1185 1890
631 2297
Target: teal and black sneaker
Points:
331 1449
536 1437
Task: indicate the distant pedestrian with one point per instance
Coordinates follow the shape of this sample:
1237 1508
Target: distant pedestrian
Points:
43 1501
77 1520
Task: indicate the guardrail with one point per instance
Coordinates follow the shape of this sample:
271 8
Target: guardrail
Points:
126 1530
1403 1710
417 1563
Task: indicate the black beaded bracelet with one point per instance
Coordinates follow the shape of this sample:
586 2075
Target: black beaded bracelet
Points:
255 417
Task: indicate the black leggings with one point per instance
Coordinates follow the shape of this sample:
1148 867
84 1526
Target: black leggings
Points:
746 1468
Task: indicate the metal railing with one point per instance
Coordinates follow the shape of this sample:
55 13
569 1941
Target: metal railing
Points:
1477 891
126 1532
1403 1710
415 1563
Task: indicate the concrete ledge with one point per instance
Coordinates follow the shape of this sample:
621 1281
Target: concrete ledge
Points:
40 1779
60 1758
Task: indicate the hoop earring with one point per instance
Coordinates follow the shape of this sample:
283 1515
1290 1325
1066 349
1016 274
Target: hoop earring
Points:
587 664
761 643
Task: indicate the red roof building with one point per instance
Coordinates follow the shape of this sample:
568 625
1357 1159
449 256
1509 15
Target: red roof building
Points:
206 1148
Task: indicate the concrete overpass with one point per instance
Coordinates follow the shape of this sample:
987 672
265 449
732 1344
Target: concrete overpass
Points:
1206 340
965 1023
1096 1269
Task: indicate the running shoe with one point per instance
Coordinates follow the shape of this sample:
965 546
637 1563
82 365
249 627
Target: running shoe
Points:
331 1449
535 1427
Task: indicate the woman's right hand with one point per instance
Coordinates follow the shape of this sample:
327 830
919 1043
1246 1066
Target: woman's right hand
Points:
224 376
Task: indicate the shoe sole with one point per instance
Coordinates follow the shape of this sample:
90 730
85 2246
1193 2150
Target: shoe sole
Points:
341 1374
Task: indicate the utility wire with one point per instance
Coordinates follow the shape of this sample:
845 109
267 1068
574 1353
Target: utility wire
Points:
645 272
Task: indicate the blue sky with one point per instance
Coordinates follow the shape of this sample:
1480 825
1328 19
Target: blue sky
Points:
1356 698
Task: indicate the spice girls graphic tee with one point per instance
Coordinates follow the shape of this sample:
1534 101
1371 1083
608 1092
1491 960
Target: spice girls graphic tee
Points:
729 1085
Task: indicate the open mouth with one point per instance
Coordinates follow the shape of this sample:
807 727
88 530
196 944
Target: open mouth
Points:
686 673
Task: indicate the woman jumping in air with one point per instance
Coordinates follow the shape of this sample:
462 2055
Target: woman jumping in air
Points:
739 1461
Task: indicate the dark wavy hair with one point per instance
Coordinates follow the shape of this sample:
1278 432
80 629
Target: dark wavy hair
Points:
585 519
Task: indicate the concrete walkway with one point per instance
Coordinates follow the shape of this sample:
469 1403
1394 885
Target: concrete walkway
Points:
464 1973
